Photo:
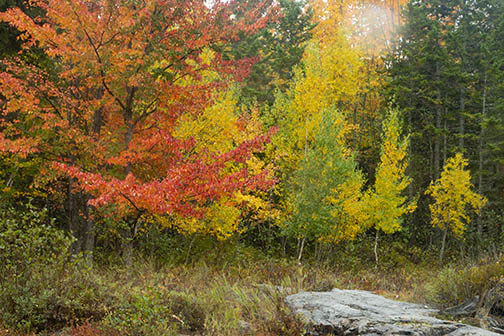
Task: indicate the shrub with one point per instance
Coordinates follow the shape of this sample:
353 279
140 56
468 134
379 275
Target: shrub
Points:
43 287
156 311
453 285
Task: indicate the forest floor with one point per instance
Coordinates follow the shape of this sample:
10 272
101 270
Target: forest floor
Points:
201 299
242 295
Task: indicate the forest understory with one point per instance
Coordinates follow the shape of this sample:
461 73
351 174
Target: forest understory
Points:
229 289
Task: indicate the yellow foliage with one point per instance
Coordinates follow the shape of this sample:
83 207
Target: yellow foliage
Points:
330 79
323 195
221 220
364 29
216 129
332 76
385 205
258 206
347 211
452 195
332 17
260 209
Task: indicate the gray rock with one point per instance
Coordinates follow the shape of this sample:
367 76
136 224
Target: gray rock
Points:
356 312
468 307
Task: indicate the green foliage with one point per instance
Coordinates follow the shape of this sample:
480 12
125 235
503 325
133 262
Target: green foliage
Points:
446 77
42 286
155 311
278 47
27 237
201 299
169 247
326 187
310 148
16 176
386 204
455 284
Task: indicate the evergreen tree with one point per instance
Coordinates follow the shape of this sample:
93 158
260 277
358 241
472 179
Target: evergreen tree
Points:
417 69
494 119
276 49
445 77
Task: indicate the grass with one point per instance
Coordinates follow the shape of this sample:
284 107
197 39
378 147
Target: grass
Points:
210 300
228 298
203 299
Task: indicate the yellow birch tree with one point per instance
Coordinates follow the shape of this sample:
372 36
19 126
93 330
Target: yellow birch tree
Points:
386 203
453 198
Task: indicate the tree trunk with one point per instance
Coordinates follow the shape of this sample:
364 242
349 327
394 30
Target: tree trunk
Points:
301 250
89 237
284 246
437 141
376 247
98 114
356 135
89 226
127 250
304 185
480 153
73 219
437 137
128 236
189 249
70 209
129 233
354 132
443 243
445 138
410 153
462 119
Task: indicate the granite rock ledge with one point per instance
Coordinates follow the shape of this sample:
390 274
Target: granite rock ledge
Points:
356 312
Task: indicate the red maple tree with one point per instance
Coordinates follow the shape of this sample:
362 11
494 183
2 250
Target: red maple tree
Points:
104 111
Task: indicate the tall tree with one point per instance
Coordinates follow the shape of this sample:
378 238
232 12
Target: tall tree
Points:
104 117
441 74
385 205
327 188
491 174
420 70
277 48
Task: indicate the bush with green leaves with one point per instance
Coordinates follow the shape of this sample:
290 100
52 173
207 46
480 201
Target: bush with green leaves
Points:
42 285
454 285
155 311
27 238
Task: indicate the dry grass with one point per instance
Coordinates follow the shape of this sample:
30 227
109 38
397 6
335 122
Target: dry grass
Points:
218 300
228 300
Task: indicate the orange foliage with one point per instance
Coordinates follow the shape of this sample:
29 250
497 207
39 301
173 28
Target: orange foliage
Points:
123 74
